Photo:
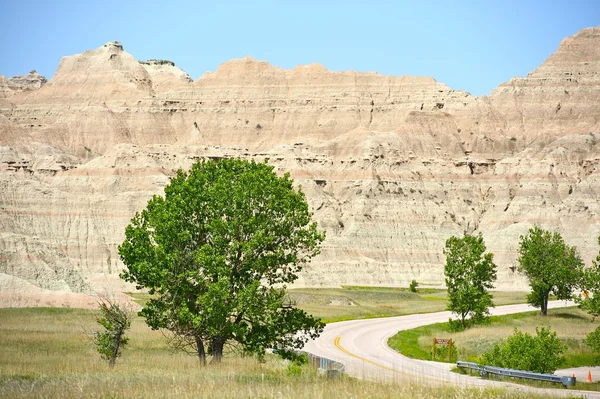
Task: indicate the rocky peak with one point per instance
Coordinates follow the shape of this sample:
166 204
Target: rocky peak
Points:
576 60
106 73
31 81
165 75
114 45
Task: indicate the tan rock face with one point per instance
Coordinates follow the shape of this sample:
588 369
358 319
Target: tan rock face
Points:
166 76
16 84
392 166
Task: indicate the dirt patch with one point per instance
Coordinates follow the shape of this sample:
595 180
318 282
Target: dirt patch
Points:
341 301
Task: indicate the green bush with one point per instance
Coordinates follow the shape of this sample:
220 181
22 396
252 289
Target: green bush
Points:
115 320
441 353
522 351
413 286
297 358
593 341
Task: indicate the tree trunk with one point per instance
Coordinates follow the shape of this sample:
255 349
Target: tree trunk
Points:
545 305
200 349
117 343
217 349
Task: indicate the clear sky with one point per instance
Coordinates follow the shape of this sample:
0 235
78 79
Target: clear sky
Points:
469 45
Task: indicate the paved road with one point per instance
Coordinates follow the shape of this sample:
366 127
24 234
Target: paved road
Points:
361 345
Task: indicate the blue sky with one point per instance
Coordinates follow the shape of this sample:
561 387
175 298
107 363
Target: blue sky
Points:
469 45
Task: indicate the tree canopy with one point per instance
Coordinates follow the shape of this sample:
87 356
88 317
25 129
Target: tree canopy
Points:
470 273
216 253
551 266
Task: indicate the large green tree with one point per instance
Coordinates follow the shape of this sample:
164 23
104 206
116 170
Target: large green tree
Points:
551 266
470 273
216 253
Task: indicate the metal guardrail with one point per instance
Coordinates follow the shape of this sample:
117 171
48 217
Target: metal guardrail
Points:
330 367
484 371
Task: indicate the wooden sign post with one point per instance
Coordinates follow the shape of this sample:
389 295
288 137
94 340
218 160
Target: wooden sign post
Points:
439 341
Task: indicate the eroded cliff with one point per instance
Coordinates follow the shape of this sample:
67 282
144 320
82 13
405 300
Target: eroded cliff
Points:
391 165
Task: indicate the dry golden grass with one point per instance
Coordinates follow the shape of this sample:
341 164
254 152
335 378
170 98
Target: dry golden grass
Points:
44 354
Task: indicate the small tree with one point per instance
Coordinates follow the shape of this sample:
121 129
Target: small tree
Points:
522 351
593 341
551 266
413 286
590 302
216 253
470 273
115 320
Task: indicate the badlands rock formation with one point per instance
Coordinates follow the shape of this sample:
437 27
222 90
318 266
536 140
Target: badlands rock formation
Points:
16 84
392 166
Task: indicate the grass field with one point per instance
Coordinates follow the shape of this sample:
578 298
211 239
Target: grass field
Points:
355 302
571 325
45 354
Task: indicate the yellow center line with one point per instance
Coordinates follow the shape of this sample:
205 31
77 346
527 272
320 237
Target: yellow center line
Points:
336 342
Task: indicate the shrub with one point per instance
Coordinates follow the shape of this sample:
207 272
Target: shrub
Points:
413 286
593 341
522 351
115 319
441 353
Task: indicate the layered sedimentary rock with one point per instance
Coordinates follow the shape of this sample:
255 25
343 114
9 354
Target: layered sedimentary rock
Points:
392 166
16 84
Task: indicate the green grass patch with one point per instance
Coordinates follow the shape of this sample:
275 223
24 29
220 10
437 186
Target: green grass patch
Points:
571 325
358 302
364 302
407 342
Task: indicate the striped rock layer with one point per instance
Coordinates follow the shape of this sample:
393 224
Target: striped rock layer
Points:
392 166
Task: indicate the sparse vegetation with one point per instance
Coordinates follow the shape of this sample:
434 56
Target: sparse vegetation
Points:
115 320
157 62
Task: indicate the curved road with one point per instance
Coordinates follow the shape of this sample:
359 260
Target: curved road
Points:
361 345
